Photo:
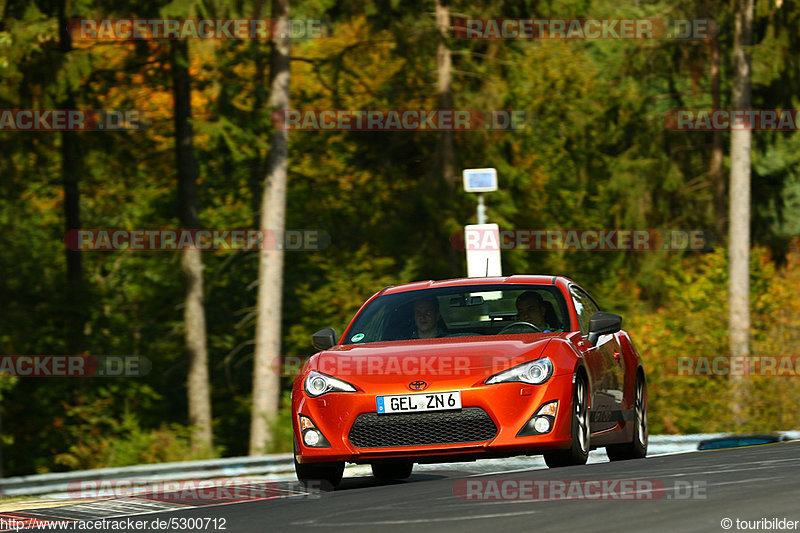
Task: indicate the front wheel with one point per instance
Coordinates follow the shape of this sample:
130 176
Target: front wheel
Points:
637 448
578 452
327 475
392 471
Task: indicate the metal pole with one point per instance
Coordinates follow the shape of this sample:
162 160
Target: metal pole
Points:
481 210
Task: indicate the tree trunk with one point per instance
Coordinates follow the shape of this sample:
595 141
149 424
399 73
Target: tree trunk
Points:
445 151
739 236
257 163
266 377
194 317
716 170
444 71
75 292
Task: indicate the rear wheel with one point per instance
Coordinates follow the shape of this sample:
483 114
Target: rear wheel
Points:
326 475
393 470
637 448
578 452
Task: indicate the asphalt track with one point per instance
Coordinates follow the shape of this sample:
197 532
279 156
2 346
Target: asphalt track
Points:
685 492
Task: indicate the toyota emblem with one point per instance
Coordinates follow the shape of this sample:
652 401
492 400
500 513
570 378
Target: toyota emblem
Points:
418 385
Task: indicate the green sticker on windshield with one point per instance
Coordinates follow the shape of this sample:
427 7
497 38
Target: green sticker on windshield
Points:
357 337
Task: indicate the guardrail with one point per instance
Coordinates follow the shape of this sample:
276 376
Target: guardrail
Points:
258 466
184 470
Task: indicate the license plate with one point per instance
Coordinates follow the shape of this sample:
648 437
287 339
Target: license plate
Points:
418 403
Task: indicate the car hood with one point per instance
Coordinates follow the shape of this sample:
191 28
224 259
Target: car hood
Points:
441 363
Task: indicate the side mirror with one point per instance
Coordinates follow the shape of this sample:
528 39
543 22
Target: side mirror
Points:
324 339
603 324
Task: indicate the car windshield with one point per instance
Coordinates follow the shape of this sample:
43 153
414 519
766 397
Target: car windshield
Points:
460 312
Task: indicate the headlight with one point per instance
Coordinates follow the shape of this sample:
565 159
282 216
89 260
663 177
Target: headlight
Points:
317 384
534 372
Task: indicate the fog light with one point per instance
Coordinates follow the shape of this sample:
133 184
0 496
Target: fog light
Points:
541 424
311 437
542 421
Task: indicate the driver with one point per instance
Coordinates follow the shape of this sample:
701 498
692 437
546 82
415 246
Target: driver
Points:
530 308
426 319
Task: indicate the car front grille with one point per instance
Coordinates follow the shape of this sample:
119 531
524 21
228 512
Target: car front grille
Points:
471 424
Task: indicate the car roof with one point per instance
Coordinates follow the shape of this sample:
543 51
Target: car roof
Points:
522 279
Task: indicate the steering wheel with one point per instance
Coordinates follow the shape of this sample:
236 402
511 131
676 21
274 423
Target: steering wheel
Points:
516 324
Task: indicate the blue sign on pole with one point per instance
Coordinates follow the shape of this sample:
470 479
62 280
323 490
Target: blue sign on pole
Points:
480 179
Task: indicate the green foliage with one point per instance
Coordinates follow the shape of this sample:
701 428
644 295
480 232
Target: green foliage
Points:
694 324
102 436
130 444
281 427
349 282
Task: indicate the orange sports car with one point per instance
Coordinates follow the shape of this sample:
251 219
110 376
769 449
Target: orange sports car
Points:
458 370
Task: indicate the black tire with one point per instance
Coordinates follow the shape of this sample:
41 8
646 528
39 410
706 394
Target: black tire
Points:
325 476
578 452
392 471
637 448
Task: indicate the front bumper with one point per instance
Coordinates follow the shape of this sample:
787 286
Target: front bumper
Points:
509 406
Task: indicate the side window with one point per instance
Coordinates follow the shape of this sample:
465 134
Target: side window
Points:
555 315
584 307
